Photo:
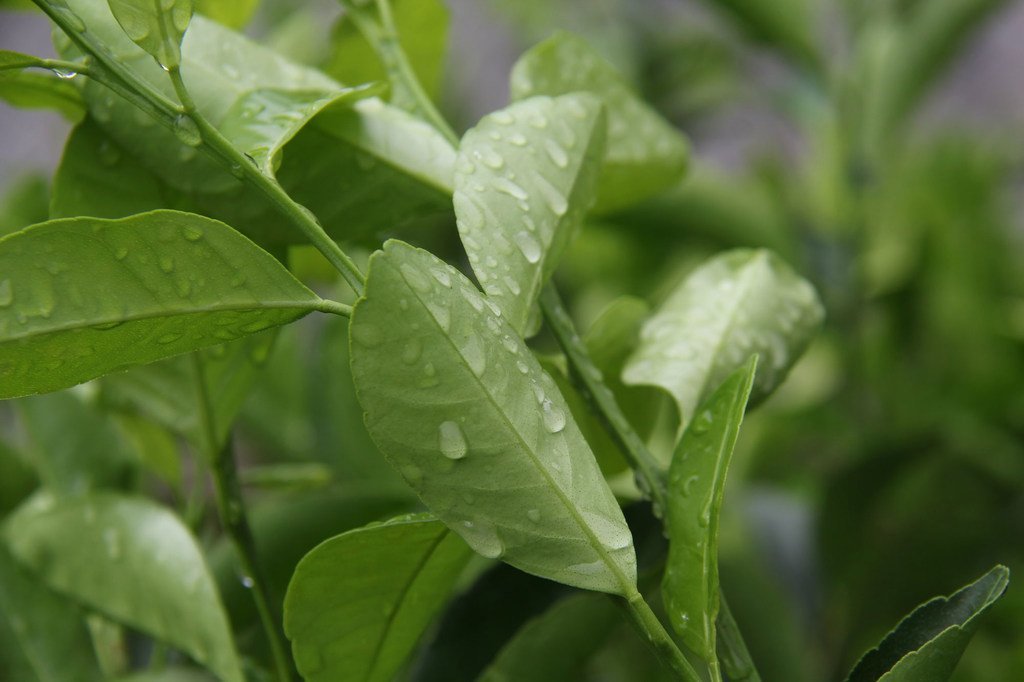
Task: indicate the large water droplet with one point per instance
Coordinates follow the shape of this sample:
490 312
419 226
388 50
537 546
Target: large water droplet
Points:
483 538
451 440
490 158
441 314
192 233
415 278
553 197
702 423
688 485
186 130
510 188
556 153
554 418
529 245
473 351
442 276
613 534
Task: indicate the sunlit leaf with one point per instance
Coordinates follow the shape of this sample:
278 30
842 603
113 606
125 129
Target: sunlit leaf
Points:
644 153
737 304
696 489
133 561
927 644
233 13
525 176
462 409
348 623
84 297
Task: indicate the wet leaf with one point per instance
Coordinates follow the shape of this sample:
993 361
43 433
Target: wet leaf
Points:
524 178
462 410
84 297
157 26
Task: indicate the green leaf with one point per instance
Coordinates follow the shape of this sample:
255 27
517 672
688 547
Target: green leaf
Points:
927 644
168 674
157 26
41 91
524 178
349 623
475 426
697 476
232 13
76 448
42 636
735 305
133 561
25 201
166 391
644 154
787 24
555 646
422 27
17 60
84 297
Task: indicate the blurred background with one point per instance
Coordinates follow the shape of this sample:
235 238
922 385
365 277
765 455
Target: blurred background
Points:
879 148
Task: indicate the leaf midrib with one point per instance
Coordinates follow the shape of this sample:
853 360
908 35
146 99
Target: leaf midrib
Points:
627 586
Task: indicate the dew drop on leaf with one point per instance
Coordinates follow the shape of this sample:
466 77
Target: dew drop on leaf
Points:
186 130
411 353
415 279
451 440
554 418
529 246
483 538
533 515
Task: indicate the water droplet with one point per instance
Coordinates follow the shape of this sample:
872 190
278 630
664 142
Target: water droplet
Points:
440 313
518 139
554 418
451 440
442 276
366 334
502 117
489 158
522 367
483 538
529 246
702 423
187 131
473 352
415 278
472 298
556 153
192 233
167 264
533 515
553 197
688 485
513 286
705 517
247 582
412 352
169 337
121 253
510 344
412 473
6 293
538 121
510 188
588 569
403 303
429 379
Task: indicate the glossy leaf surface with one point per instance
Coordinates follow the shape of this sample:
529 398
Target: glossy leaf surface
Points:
697 477
461 408
644 153
41 90
525 176
928 644
554 646
157 26
348 623
115 293
42 636
735 305
149 572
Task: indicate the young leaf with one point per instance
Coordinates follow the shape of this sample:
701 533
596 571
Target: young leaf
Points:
148 573
84 297
525 176
554 646
737 304
17 60
644 154
696 488
42 636
927 644
41 91
157 26
347 623
460 407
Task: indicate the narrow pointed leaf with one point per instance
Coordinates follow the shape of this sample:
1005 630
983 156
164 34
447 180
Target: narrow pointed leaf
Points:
133 561
84 297
740 303
348 624
524 178
460 407
696 489
927 644
157 26
555 646
43 637
644 153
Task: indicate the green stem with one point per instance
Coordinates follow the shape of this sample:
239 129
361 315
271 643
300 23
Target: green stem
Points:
384 39
644 619
231 509
335 308
650 474
241 165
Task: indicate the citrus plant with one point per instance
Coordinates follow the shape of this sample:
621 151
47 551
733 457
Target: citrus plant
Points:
474 451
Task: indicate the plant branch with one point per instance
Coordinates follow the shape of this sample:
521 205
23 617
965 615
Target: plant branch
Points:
650 474
644 619
231 509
